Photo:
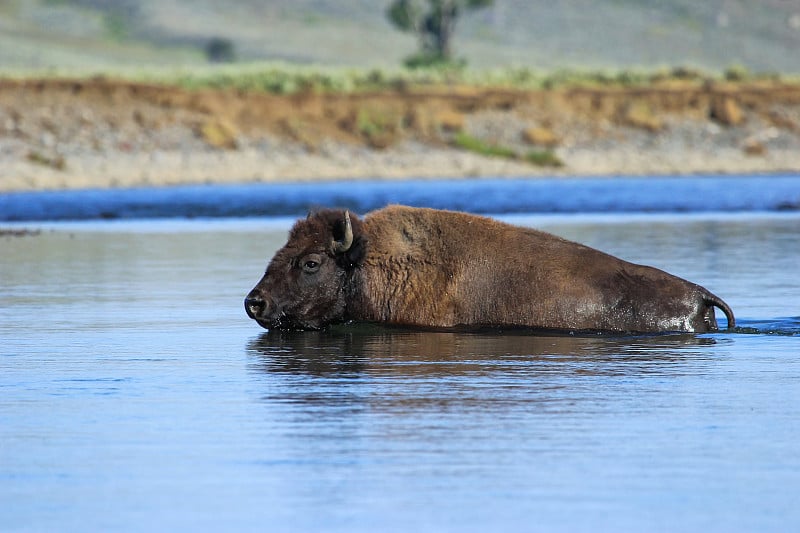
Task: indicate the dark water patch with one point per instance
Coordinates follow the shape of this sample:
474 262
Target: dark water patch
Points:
18 232
586 195
787 327
356 350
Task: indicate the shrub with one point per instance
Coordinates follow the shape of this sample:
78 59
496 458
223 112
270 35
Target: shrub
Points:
219 50
432 60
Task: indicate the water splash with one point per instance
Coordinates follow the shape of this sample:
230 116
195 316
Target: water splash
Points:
786 327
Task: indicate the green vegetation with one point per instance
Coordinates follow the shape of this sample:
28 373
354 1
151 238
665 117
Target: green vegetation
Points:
434 27
541 158
737 73
284 78
220 50
433 60
355 33
116 26
289 79
56 161
380 128
473 144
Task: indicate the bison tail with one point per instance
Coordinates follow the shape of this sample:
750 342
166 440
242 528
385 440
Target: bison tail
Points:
716 301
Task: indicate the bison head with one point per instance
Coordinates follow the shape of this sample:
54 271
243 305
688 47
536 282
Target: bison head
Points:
304 286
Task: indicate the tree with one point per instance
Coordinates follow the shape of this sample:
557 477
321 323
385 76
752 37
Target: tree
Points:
220 50
433 21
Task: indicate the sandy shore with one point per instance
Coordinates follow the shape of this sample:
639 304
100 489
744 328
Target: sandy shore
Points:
63 136
250 166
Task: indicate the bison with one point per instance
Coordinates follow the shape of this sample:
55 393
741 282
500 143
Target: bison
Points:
441 269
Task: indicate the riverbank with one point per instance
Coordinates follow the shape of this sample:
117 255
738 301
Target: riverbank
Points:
99 133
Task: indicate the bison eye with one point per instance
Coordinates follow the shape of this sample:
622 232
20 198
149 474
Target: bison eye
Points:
311 263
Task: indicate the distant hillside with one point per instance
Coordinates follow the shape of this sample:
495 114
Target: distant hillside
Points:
761 35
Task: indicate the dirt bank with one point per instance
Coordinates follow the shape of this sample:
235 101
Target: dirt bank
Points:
106 133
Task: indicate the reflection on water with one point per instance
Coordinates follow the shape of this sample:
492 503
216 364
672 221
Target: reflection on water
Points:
430 371
378 350
640 424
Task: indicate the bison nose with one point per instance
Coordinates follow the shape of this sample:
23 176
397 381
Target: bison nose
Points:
255 305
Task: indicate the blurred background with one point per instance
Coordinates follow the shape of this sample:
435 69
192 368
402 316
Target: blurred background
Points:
760 35
122 93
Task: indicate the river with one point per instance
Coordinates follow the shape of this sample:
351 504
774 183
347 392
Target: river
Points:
136 395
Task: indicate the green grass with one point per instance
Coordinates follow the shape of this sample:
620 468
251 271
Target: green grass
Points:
287 79
543 158
467 142
281 78
284 78
540 158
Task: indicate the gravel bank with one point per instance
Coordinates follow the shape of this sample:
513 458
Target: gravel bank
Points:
61 135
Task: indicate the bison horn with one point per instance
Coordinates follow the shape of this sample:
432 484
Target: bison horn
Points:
347 241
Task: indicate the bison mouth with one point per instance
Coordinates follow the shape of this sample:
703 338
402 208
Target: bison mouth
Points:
270 316
284 323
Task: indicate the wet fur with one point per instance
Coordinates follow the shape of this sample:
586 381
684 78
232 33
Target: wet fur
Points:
434 268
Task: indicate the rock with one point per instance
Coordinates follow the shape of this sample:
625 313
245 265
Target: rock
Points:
449 120
726 111
780 119
754 147
219 134
640 115
540 137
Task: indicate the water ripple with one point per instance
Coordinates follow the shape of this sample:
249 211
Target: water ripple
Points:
788 327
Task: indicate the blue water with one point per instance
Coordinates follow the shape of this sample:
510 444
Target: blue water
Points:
136 395
589 195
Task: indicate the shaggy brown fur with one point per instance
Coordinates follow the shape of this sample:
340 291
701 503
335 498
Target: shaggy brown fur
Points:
431 268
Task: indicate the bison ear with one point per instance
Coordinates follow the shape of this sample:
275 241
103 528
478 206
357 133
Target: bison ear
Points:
349 242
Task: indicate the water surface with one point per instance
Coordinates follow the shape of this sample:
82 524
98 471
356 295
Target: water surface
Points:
486 195
135 394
